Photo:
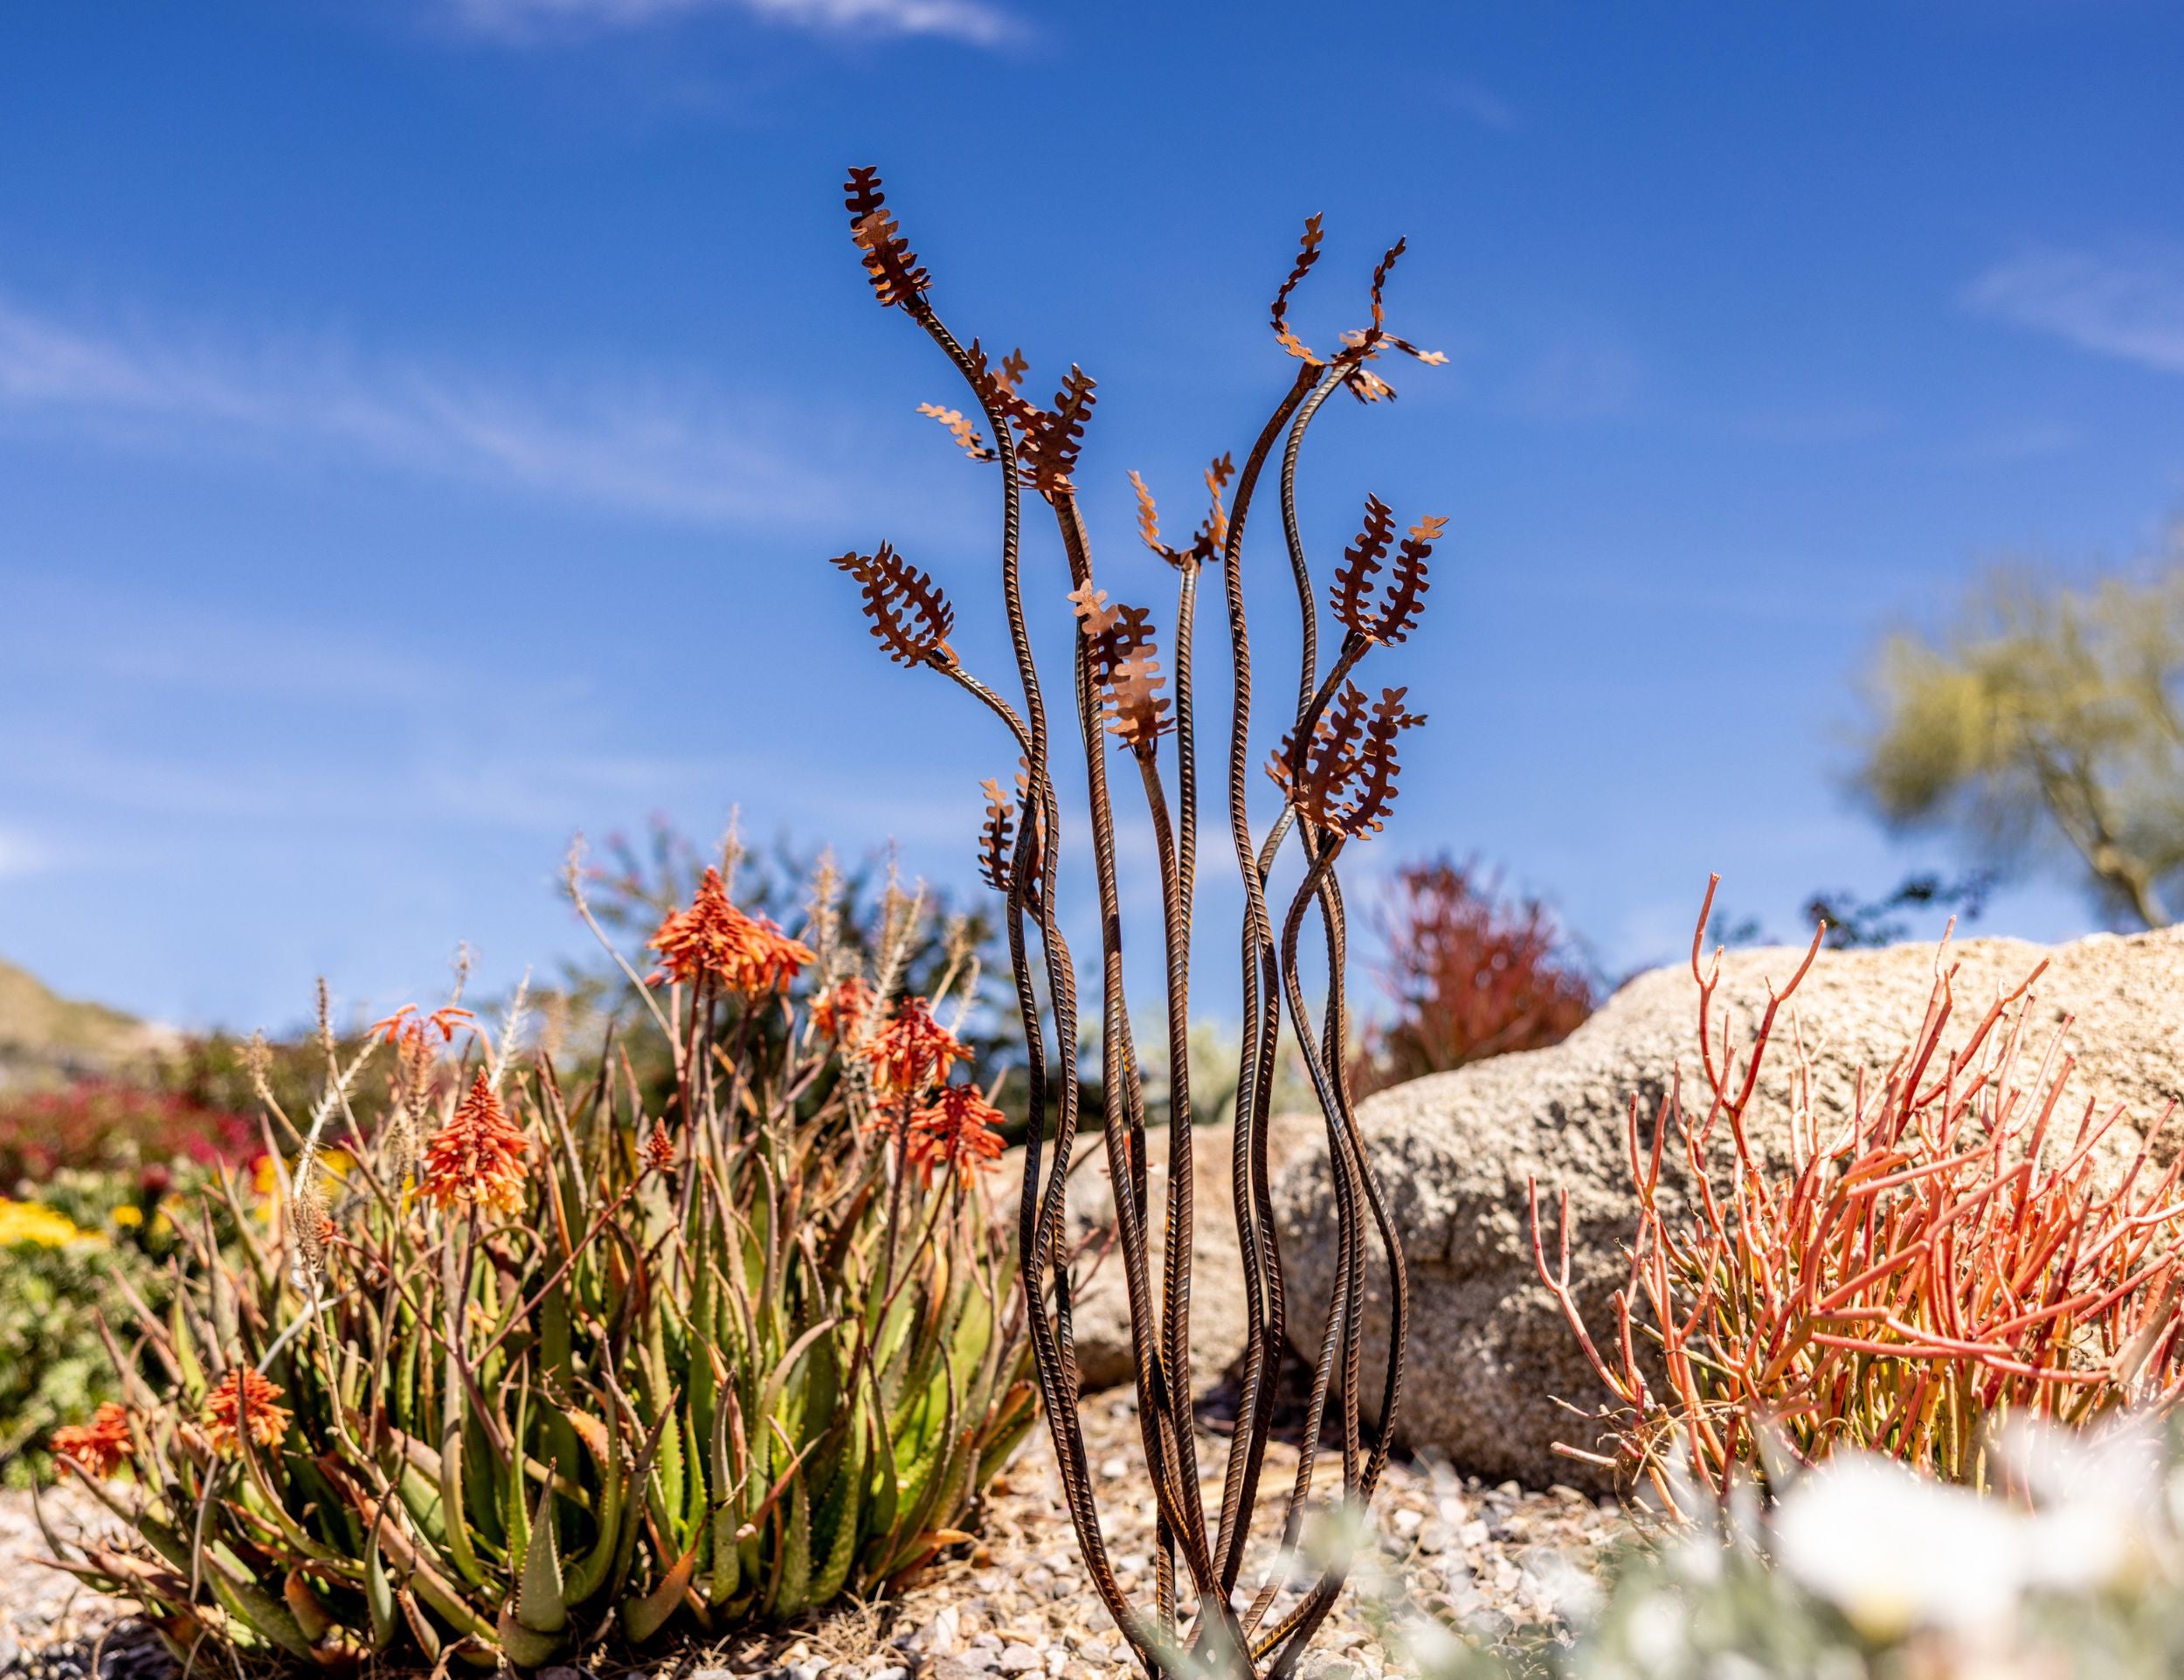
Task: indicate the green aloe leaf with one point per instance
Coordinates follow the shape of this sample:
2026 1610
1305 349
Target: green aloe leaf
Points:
586 1574
643 1617
792 1575
378 1595
541 1603
454 1513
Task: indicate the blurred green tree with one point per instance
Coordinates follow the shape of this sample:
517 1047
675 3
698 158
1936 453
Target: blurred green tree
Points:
2048 716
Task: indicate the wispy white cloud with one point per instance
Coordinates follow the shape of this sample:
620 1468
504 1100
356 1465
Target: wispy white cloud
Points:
21 854
528 21
2131 308
1579 379
649 446
1479 103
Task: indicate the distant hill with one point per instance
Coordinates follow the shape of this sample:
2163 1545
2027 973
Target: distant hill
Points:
45 1037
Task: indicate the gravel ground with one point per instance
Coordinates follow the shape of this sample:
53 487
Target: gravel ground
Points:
1490 1560
51 1626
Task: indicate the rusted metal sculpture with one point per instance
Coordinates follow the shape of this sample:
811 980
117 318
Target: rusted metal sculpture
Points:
1336 771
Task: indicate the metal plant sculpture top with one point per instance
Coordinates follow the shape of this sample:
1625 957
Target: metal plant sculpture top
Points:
1337 769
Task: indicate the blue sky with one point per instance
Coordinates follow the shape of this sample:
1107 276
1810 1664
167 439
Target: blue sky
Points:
422 423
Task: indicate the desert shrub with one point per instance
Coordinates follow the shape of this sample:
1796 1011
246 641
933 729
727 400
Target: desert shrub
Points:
106 1124
1958 1254
233 1073
70 1261
534 1365
94 1165
1472 974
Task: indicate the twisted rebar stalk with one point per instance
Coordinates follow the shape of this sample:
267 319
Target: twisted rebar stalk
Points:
1337 769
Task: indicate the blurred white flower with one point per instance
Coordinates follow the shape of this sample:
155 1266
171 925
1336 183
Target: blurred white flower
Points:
1658 1633
2099 1503
1894 1550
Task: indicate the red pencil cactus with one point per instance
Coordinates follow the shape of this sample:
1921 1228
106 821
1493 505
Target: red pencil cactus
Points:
1958 1253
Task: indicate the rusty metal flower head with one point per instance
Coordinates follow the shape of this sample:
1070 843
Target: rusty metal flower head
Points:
913 1052
910 617
1205 543
98 1448
1393 614
714 939
957 1133
999 839
965 431
1050 438
996 837
1118 648
897 279
243 1403
1360 345
476 1160
1344 779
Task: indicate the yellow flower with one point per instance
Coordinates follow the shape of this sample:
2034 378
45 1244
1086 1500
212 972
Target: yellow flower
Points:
129 1216
30 1222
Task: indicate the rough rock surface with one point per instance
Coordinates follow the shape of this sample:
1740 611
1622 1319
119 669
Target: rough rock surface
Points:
1490 1354
1101 1315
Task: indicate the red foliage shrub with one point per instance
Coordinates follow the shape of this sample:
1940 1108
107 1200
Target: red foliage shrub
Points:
98 1123
1472 974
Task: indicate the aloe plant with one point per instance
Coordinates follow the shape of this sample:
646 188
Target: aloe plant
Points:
534 1367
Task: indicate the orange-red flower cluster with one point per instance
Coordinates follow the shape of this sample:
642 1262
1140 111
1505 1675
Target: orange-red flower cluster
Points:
913 1052
955 1134
477 1158
407 1027
836 1010
660 1148
747 954
98 1448
245 1400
